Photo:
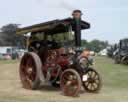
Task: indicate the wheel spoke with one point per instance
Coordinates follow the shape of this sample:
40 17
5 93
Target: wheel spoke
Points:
88 86
92 87
92 74
95 85
97 82
89 73
96 77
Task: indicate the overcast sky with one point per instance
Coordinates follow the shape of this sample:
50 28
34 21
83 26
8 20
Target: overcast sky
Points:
108 18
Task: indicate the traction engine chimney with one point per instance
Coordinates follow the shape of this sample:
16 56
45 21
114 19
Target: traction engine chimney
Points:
77 24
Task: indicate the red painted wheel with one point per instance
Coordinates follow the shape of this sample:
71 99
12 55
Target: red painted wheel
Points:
93 83
70 82
29 68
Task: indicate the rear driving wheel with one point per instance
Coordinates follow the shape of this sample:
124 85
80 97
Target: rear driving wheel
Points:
70 82
93 82
29 68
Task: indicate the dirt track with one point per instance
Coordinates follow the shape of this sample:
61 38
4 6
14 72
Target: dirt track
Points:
12 91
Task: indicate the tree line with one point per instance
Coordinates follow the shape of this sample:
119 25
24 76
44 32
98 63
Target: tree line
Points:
8 36
95 45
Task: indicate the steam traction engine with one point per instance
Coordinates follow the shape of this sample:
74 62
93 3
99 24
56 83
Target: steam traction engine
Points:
121 53
55 56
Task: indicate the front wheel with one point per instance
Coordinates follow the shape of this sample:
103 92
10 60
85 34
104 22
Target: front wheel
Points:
92 81
70 82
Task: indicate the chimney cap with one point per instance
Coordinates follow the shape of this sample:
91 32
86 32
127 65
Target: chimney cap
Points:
75 11
77 14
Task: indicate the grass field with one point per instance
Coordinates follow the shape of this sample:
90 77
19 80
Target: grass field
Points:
115 85
8 61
